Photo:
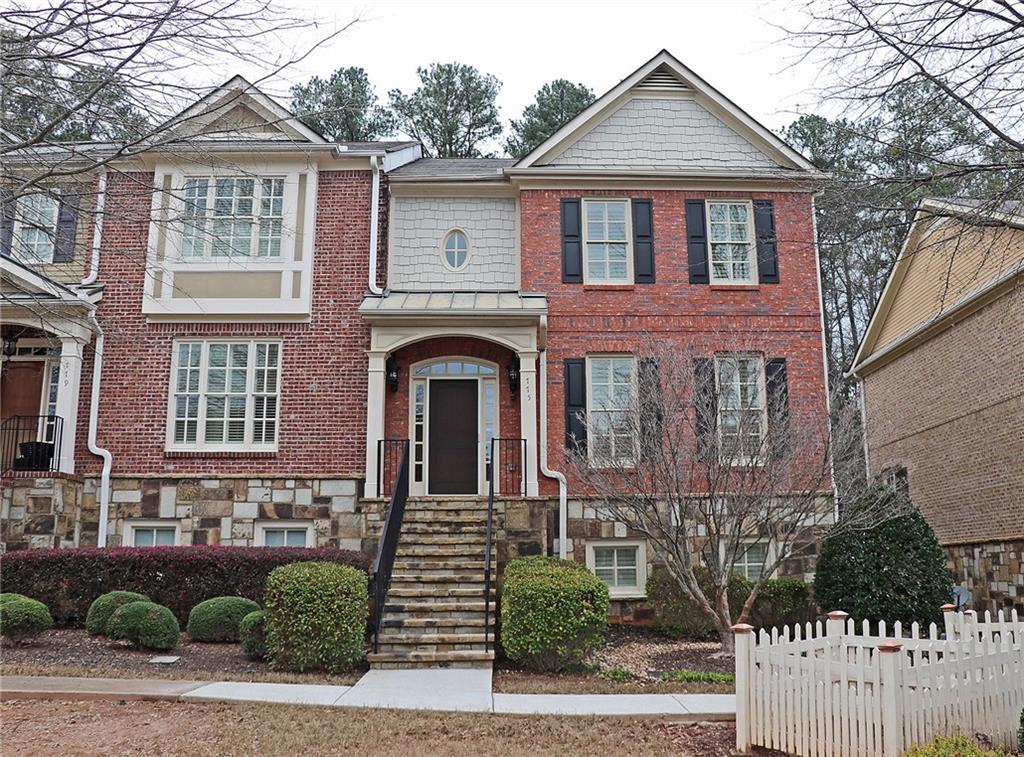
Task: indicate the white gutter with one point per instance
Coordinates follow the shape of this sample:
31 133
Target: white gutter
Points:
374 215
563 509
97 366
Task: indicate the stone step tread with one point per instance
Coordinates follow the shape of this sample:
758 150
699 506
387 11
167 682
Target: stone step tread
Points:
444 537
389 636
395 623
476 565
436 591
457 550
467 577
429 656
391 607
444 516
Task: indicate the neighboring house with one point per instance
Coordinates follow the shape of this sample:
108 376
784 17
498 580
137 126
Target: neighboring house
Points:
941 368
307 307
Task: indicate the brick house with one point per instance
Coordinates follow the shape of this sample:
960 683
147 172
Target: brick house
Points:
278 317
940 368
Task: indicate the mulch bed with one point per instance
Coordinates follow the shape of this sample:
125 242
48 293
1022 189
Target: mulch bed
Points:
644 653
67 649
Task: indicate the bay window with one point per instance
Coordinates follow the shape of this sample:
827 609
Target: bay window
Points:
232 216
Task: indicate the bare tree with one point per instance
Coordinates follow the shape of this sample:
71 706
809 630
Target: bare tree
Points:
707 457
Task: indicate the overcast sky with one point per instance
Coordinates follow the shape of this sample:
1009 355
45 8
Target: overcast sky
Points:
731 43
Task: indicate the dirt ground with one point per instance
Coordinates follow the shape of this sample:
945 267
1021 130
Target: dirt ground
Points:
171 728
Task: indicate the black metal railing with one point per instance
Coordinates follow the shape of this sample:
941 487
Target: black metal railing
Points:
390 453
31 443
388 545
501 464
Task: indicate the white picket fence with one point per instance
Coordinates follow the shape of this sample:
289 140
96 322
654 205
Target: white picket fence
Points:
835 688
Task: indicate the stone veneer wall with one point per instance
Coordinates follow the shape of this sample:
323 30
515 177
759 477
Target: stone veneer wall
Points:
39 512
993 572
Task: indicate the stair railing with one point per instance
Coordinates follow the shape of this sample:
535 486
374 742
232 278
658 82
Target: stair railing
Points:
388 545
496 469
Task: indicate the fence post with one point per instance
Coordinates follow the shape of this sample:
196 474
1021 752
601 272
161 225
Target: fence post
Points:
743 637
889 677
948 619
969 630
836 623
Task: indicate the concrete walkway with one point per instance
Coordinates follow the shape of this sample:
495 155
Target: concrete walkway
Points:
438 689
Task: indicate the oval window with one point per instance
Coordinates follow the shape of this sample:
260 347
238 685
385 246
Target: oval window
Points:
455 249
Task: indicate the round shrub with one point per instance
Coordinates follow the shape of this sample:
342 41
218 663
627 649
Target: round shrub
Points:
677 617
252 633
553 613
103 607
316 616
10 595
146 624
23 618
782 602
950 746
217 619
895 570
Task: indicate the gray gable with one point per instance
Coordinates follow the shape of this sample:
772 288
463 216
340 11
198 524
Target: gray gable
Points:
669 133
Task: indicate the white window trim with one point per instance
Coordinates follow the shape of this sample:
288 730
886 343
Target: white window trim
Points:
640 591
16 229
262 526
631 461
629 279
469 249
751 242
738 461
769 555
250 394
128 538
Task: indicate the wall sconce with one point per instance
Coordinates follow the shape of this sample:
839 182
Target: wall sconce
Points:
391 372
10 347
513 378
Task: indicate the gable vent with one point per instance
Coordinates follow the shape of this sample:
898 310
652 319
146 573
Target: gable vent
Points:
662 79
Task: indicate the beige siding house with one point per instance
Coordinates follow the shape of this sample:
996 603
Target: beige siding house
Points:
942 373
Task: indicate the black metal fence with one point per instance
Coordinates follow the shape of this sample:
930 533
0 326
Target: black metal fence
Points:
31 443
508 466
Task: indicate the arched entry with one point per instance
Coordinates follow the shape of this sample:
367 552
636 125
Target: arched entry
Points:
453 415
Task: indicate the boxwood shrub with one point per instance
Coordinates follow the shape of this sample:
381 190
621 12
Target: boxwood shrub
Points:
217 619
951 746
553 612
252 633
103 607
676 616
177 577
146 624
23 618
316 616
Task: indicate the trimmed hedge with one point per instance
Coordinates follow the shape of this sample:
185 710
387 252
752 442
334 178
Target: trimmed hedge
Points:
252 633
146 624
217 619
893 571
553 612
102 608
783 602
951 746
177 577
316 616
677 617
22 617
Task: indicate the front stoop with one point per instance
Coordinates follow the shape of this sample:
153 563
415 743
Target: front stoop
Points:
434 615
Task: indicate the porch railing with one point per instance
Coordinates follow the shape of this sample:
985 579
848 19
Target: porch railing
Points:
508 465
389 458
31 443
501 464
388 545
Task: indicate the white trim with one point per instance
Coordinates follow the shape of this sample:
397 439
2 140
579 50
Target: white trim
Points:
629 279
752 279
260 528
588 364
130 526
444 252
640 591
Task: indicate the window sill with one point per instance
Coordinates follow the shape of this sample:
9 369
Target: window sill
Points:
613 596
736 287
236 454
609 287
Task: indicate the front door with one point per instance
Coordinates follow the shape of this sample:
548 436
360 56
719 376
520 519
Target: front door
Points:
21 391
452 439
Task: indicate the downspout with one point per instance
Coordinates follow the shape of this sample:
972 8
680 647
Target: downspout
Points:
97 365
374 216
563 510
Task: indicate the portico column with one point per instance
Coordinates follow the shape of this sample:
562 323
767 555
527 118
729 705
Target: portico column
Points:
528 416
377 361
67 400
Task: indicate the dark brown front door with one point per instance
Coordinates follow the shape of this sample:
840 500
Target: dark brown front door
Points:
454 423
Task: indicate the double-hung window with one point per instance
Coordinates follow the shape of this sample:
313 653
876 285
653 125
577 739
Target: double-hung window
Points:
225 395
751 560
36 227
731 237
621 565
611 410
742 415
607 248
232 216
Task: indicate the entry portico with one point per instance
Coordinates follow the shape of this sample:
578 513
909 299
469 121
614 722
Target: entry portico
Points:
451 387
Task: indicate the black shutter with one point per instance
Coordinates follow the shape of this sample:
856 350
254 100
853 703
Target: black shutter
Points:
6 221
67 226
572 242
643 242
651 409
767 245
697 242
777 389
705 398
576 404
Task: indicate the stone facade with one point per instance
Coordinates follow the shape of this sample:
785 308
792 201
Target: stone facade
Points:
40 512
993 573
